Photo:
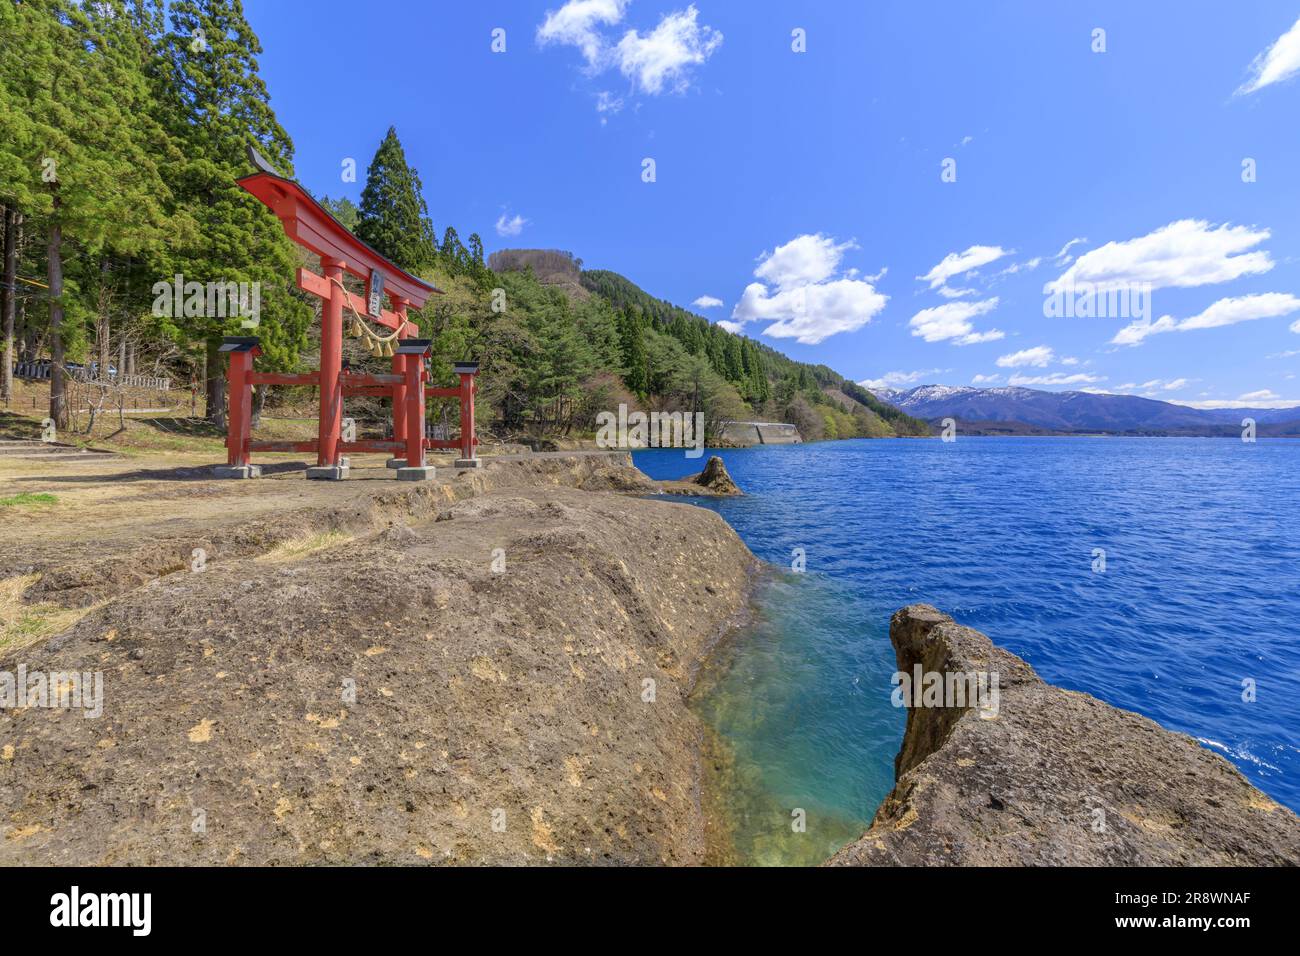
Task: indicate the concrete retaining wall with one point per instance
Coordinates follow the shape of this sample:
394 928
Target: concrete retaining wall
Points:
761 433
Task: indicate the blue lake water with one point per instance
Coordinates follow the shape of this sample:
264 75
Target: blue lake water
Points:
1200 592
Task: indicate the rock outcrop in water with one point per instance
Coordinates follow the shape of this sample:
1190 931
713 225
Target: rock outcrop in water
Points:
712 482
1055 778
715 478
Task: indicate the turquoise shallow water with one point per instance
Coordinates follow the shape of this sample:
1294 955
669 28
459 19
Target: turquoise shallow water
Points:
1201 591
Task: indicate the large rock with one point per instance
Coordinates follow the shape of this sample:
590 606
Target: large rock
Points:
715 478
712 482
1056 777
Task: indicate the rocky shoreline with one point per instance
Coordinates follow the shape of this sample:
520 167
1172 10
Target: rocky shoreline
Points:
1055 778
491 670
495 670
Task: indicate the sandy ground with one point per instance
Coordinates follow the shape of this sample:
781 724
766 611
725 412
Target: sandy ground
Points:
488 668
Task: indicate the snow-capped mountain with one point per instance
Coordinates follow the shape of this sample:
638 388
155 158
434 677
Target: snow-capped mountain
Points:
1081 411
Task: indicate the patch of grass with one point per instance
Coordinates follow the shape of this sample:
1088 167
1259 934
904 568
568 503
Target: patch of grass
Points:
22 625
307 544
27 499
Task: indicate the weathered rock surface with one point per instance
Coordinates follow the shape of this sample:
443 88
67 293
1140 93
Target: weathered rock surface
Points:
715 477
1058 777
464 677
713 481
147 524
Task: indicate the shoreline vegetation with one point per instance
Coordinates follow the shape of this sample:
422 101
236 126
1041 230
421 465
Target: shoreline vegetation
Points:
534 710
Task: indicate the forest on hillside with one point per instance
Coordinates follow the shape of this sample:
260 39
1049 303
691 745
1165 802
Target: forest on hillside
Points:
123 127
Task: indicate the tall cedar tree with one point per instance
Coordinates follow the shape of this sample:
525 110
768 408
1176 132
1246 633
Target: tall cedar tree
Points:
117 281
635 358
73 134
220 105
394 219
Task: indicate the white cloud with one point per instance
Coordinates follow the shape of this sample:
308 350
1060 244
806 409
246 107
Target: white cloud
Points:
1040 357
959 263
1151 388
1263 395
952 322
512 226
664 56
1029 265
659 60
1135 333
575 24
1246 401
1279 62
734 327
802 260
812 313
975 338
800 295
948 292
707 302
1229 311
1063 257
607 102
1189 252
985 379
1056 378
897 379
1242 309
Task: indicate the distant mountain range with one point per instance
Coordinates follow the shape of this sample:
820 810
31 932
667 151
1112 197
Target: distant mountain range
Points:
1028 411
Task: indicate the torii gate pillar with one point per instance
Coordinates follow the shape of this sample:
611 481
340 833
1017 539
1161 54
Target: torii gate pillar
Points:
329 463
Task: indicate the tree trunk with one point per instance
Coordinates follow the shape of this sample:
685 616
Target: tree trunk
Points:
10 292
28 337
259 402
121 358
58 384
105 329
216 385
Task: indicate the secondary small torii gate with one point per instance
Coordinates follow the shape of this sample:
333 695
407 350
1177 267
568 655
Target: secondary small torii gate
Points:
311 226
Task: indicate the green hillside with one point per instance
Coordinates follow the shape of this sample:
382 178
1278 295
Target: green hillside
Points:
775 386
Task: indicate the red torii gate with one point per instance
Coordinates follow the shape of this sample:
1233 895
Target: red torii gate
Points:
311 226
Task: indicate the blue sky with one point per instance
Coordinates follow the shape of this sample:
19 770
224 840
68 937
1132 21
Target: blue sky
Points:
806 192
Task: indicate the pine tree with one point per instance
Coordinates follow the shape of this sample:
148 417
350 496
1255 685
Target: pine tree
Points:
219 104
475 251
734 363
344 210
635 358
394 218
454 255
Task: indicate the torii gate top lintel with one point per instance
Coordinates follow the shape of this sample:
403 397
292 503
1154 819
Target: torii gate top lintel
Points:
311 226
